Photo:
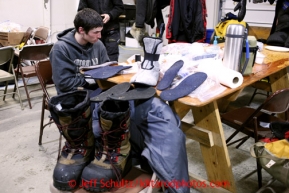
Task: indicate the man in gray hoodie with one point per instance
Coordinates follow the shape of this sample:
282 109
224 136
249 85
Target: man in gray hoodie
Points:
76 47
157 141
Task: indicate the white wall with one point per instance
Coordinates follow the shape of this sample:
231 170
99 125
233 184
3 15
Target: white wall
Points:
260 14
62 15
27 13
213 9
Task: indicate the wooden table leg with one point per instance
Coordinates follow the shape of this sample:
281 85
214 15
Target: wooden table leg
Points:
180 109
224 102
279 80
216 158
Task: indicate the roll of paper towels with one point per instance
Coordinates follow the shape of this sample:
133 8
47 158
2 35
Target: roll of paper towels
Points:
226 76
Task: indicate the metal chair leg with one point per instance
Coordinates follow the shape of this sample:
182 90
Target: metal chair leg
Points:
41 121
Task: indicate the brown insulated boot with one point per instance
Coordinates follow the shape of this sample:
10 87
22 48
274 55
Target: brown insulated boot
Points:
111 149
72 115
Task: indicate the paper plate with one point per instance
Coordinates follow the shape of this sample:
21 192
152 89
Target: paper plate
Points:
277 48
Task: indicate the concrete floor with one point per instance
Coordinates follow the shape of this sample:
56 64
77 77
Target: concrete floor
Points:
27 167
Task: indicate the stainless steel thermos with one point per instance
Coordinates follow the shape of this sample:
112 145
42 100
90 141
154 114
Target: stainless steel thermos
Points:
233 46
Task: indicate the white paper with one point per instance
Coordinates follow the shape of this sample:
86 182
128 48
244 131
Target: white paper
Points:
58 106
264 124
270 163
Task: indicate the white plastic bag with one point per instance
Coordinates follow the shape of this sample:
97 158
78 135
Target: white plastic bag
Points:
8 26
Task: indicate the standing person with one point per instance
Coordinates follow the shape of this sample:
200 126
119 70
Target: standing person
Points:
110 10
76 47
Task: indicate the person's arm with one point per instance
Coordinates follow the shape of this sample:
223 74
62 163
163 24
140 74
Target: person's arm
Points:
141 10
65 76
82 4
117 10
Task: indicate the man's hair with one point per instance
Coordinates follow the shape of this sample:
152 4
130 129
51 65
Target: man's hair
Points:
87 19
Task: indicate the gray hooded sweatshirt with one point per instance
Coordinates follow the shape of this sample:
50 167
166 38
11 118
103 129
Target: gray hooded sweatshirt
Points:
67 56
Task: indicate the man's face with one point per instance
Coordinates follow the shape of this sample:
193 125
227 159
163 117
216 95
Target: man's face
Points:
93 35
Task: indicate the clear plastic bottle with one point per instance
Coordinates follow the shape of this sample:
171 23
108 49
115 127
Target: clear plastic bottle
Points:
216 48
213 51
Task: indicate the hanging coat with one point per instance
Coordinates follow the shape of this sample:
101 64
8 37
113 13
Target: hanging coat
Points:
149 10
187 21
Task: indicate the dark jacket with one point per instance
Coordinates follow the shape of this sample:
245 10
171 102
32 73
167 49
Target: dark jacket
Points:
114 8
149 10
187 21
279 35
67 56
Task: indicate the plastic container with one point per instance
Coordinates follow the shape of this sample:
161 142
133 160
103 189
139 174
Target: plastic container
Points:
253 48
259 58
214 49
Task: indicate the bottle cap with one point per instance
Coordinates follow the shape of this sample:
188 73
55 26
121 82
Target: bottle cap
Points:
137 58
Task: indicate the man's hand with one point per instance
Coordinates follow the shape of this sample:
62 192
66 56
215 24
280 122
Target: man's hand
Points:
241 6
105 17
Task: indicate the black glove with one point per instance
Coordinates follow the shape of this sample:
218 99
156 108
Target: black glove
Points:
270 1
241 6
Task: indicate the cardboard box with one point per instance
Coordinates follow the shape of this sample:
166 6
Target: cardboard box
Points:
131 42
11 38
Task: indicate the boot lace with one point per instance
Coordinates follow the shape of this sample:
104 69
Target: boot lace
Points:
111 144
79 144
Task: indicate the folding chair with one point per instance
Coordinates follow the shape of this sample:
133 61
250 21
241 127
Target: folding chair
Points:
44 74
25 38
7 55
263 84
255 122
33 53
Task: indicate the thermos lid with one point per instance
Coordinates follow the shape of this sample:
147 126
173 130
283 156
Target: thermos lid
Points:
235 30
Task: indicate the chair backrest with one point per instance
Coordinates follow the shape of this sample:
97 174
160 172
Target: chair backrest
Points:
6 54
27 35
277 103
44 74
35 52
